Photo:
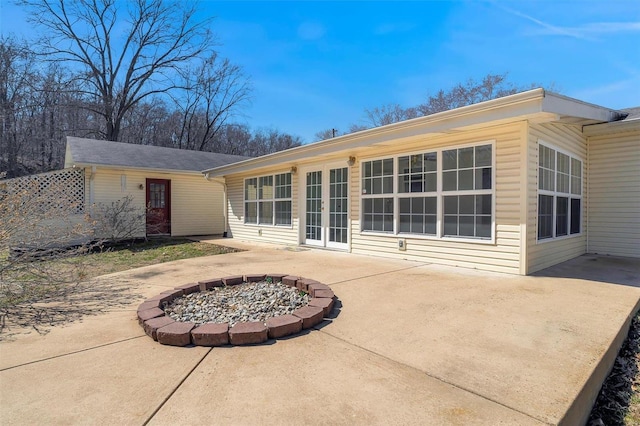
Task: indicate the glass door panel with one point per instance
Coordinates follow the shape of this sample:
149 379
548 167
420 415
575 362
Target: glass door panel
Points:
338 204
313 214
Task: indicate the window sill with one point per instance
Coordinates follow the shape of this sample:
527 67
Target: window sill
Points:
264 225
564 237
429 237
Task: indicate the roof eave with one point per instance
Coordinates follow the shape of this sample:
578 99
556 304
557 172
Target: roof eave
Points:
150 169
531 104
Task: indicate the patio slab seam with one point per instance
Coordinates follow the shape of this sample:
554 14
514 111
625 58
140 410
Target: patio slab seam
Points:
440 379
175 389
72 353
379 274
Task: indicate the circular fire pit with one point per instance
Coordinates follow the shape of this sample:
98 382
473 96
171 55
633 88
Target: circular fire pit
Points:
278 305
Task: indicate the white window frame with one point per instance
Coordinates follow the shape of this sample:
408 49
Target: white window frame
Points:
273 201
555 194
439 194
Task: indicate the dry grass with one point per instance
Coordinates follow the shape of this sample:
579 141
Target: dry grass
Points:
69 301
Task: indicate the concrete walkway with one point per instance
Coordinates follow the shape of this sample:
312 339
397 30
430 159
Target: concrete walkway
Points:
412 343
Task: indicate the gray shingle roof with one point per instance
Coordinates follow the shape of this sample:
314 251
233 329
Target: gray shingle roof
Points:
634 113
105 153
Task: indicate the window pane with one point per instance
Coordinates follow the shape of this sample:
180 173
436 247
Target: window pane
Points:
387 166
483 226
403 165
466 226
449 159
465 158
387 185
450 226
430 162
576 176
575 215
483 156
417 205
431 182
250 189
377 168
283 212
483 178
265 212
562 217
251 212
431 205
265 187
449 181
405 223
545 216
451 205
466 204
465 180
483 204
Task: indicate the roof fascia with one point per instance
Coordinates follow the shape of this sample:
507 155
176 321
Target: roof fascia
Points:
147 169
565 106
613 127
518 105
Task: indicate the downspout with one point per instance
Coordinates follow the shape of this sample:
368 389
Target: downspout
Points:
92 185
224 201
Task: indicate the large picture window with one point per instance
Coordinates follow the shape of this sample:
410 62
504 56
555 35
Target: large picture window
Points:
559 194
402 195
267 200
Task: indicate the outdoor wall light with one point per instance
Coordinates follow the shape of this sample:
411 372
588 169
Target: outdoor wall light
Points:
351 161
141 186
294 170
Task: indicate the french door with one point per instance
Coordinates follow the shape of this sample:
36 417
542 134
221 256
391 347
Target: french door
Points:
326 207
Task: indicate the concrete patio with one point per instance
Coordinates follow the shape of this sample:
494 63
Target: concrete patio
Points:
411 343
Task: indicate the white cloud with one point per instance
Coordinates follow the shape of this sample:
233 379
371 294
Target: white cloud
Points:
587 31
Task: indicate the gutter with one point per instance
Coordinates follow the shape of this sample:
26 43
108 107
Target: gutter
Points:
225 210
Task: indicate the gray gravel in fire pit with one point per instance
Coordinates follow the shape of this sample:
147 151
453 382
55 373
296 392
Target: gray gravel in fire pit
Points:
239 303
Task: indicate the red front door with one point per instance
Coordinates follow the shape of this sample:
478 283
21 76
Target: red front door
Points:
158 206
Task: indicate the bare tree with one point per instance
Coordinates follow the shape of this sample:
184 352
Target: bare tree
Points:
17 74
215 91
491 86
388 114
327 134
42 240
122 58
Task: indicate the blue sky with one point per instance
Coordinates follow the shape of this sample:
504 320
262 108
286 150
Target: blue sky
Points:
318 65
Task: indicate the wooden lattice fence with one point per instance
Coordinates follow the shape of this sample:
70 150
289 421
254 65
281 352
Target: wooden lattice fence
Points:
54 190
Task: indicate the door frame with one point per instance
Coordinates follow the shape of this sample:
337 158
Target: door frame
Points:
167 208
302 202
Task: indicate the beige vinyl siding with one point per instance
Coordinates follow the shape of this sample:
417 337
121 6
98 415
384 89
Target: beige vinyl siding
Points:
501 256
272 234
614 194
196 205
546 253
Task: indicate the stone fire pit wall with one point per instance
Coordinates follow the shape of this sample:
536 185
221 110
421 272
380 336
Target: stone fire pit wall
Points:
166 331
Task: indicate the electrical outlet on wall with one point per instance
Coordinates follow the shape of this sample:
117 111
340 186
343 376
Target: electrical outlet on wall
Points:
402 244
260 232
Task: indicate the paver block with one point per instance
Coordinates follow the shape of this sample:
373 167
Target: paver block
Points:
175 334
149 313
326 303
189 288
311 315
209 284
316 286
233 280
151 326
247 333
275 277
324 294
283 325
210 334
148 304
167 296
289 280
254 278
304 284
